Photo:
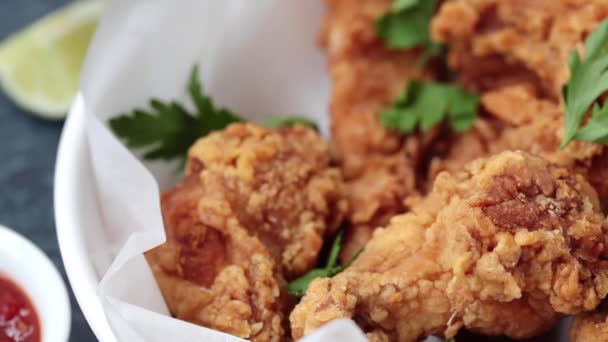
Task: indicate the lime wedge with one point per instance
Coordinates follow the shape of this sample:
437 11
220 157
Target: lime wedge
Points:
40 66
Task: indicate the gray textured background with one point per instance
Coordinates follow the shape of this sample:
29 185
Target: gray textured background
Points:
27 155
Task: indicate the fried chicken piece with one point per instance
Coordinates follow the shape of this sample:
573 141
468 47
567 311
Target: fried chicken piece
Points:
377 195
515 52
494 43
504 247
519 119
465 147
367 78
278 184
251 213
590 326
221 278
537 127
518 105
379 165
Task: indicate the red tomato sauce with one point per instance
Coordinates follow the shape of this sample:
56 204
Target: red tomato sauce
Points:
18 318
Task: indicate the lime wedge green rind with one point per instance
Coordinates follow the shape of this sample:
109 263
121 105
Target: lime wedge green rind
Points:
40 66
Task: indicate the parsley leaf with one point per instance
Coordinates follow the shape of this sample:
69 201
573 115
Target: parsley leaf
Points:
406 26
210 118
424 105
588 81
332 259
401 5
298 287
273 121
167 129
596 128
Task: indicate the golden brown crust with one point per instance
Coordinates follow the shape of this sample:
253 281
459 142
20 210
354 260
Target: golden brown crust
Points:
590 327
512 51
494 43
251 213
221 277
379 165
519 119
502 248
278 184
515 52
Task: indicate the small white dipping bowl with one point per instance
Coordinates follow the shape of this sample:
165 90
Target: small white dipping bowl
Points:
27 266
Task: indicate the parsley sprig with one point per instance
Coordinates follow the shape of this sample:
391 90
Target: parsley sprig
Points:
167 129
424 105
588 81
298 287
406 26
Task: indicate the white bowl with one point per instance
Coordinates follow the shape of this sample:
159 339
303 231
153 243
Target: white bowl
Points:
26 265
78 223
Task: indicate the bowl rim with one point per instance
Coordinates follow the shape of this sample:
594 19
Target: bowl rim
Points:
81 273
45 287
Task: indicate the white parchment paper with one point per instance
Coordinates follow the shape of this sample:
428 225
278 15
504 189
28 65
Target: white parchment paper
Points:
256 57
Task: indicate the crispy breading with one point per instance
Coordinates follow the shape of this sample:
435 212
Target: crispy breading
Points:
278 184
590 326
504 247
379 165
251 213
221 278
515 52
518 119
493 43
518 104
465 147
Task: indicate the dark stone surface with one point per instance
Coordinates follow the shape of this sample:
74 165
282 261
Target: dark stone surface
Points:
27 153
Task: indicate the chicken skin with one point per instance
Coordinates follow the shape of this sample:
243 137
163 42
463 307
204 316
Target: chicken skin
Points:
495 43
519 119
250 214
515 53
590 326
502 248
217 277
379 165
278 184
